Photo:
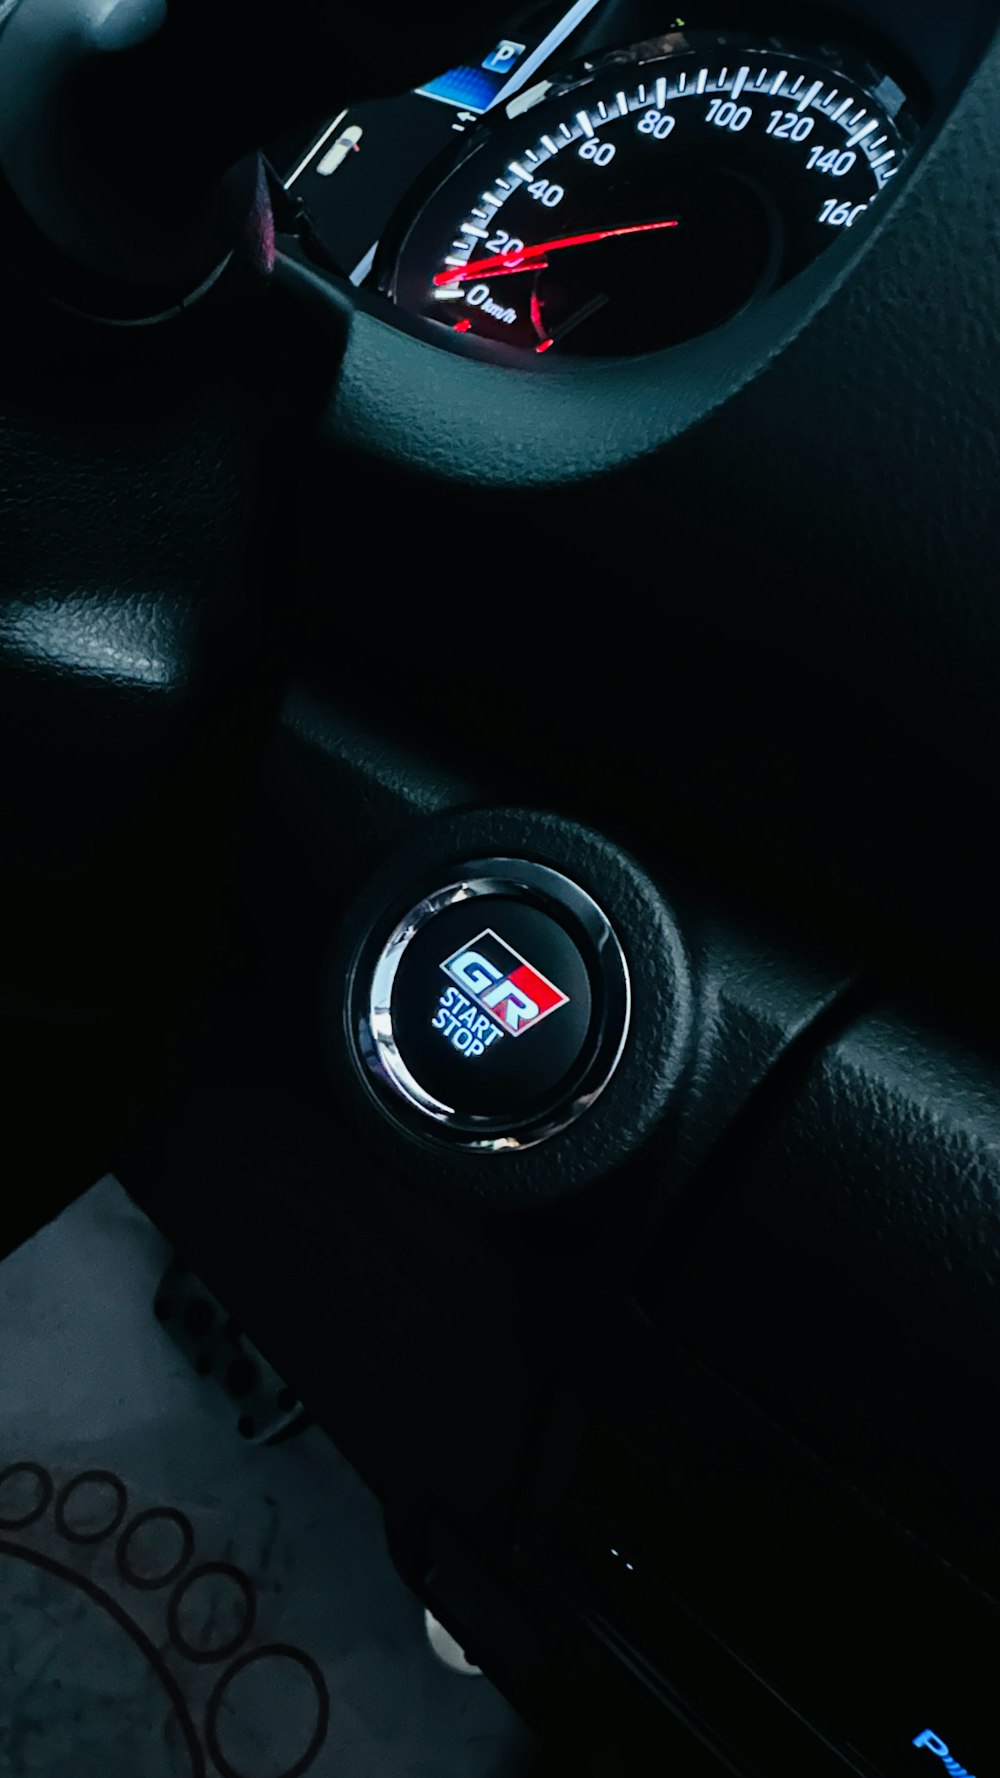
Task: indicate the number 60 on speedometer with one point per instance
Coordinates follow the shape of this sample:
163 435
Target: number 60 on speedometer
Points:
650 197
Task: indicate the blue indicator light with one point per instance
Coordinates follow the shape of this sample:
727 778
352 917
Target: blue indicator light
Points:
504 58
509 64
934 1744
474 89
470 89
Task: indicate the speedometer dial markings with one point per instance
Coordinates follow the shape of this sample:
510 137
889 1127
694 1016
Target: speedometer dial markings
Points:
526 258
767 165
860 135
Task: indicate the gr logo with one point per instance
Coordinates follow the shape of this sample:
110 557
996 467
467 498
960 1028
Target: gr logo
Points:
934 1744
504 984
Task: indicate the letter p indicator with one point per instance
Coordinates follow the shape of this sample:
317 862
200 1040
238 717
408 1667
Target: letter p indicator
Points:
934 1742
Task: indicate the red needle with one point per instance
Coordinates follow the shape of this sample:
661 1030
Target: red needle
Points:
526 258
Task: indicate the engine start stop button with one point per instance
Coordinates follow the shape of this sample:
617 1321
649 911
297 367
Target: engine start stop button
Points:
492 1007
496 1009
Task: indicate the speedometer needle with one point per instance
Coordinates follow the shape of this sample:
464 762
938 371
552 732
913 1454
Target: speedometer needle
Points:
526 259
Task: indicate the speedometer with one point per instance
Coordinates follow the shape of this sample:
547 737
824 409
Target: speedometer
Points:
648 197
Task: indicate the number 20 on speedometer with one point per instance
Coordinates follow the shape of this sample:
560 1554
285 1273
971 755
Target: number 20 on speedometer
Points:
651 197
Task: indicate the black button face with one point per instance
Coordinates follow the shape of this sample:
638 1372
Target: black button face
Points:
493 1010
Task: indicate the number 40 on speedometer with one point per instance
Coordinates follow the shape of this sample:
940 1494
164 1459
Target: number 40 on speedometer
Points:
651 197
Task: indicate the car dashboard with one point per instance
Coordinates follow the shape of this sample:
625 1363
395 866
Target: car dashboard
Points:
606 489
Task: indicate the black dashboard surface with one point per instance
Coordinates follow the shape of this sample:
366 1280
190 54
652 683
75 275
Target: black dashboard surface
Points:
735 604
796 511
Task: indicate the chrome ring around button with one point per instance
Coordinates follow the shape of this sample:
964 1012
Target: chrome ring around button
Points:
373 1022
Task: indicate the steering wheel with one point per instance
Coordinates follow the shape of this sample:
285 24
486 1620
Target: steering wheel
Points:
499 858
